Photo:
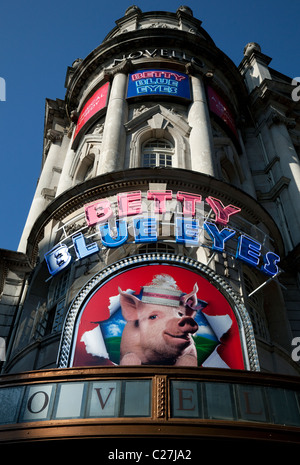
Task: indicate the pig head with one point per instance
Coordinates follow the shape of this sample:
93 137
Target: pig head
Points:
157 334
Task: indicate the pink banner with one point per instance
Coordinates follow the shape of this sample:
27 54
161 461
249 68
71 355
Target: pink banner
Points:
93 105
219 107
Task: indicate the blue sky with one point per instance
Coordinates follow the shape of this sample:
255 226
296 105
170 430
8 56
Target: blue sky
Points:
39 40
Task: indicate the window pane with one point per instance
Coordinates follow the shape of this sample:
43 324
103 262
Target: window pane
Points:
69 400
251 402
152 155
104 399
185 399
9 405
219 401
137 399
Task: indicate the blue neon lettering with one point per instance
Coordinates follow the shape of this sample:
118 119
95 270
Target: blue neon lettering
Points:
219 237
270 260
187 231
57 259
81 248
106 234
145 229
248 250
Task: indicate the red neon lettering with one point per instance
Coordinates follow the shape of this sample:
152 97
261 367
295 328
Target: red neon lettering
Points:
130 203
97 212
157 74
178 77
189 202
222 213
137 76
160 199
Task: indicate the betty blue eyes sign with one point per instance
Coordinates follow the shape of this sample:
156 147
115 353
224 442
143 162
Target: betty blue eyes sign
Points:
133 223
158 82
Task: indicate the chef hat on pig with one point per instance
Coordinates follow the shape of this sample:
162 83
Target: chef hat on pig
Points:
164 291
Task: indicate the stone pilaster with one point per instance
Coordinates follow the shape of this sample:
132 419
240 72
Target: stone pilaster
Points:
201 142
114 135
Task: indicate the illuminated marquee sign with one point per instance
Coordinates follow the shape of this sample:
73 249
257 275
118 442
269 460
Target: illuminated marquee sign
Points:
187 228
158 82
120 398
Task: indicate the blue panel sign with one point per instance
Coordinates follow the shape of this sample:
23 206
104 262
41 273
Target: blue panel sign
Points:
158 82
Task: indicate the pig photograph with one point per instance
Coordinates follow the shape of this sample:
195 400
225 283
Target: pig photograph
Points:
160 325
157 315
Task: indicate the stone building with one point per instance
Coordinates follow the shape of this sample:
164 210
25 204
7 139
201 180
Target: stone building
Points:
172 174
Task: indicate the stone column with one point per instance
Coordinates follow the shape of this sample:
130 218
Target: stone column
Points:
114 136
65 180
40 202
201 142
290 168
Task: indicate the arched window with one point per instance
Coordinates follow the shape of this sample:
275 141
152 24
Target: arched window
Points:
157 152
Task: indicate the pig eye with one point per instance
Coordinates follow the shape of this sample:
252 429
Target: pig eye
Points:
180 313
152 317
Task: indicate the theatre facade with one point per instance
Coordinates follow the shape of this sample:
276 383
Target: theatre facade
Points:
155 292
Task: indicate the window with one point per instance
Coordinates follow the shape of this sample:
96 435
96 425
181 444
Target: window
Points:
56 302
157 152
158 247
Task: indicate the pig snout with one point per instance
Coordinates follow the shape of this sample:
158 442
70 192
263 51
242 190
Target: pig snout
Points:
177 332
188 325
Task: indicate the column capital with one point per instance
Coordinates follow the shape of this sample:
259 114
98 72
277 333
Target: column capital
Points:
124 67
54 136
276 117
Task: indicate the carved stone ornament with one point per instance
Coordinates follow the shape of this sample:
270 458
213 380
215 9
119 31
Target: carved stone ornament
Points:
125 67
54 136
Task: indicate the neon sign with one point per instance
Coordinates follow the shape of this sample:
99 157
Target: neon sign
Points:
188 227
158 82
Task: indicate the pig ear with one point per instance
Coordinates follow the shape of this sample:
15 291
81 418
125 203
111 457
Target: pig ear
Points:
191 298
129 304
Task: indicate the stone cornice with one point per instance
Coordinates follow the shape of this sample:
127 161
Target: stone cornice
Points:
140 39
276 190
271 92
11 260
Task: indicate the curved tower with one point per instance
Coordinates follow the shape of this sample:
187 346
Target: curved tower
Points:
157 271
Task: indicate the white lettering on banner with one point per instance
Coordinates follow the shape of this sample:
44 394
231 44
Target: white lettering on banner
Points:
188 227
